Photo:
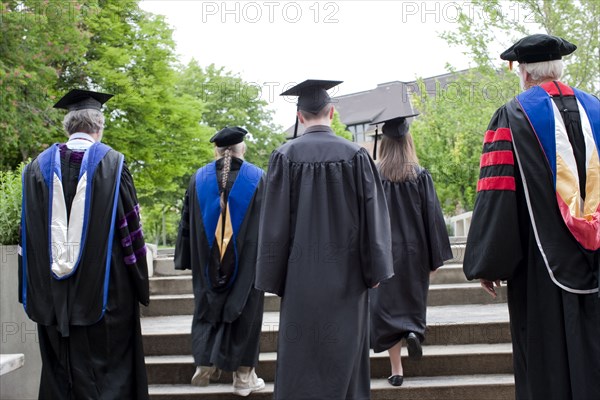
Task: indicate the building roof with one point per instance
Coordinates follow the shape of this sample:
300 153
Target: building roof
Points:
387 99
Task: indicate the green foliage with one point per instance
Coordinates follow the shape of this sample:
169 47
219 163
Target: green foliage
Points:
10 205
157 128
449 133
162 114
339 127
39 41
576 21
230 101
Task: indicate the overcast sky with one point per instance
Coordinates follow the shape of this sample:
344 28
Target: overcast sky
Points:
276 43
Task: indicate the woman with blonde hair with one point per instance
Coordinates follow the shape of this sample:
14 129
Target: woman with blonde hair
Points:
420 245
217 240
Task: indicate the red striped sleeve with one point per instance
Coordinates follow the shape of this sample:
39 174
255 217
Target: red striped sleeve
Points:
500 134
496 183
502 157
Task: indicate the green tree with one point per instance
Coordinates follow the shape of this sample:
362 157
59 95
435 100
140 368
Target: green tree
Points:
488 22
132 54
449 132
39 41
339 127
230 101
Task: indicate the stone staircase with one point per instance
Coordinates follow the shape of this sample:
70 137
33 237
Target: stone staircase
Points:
467 354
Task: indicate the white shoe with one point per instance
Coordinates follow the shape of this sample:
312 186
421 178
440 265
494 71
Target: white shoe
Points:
245 381
203 375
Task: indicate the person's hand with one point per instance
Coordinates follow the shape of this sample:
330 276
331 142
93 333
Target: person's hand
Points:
488 286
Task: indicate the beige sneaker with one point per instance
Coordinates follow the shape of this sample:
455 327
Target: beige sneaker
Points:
204 375
245 381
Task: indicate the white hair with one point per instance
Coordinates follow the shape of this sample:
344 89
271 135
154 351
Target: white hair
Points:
86 121
545 70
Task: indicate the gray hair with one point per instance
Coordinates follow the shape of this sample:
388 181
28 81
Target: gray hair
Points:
86 121
541 71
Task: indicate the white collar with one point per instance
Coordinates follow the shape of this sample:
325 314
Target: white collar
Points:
80 141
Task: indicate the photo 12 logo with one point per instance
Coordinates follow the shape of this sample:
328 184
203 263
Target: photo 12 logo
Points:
270 11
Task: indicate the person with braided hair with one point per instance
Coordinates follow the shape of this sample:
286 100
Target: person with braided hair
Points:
217 240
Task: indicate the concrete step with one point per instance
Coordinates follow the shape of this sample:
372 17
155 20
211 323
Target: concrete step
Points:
164 285
438 360
461 387
458 252
457 324
164 265
448 273
439 295
182 283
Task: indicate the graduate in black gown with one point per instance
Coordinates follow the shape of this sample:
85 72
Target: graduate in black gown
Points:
420 245
217 240
536 224
82 264
324 240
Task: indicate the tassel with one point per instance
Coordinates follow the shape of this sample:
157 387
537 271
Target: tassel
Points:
375 146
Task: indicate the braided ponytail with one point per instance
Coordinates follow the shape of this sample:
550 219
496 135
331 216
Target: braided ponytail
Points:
225 175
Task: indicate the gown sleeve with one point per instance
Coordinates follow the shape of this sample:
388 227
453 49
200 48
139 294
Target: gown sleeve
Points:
132 237
435 227
182 246
274 227
494 241
375 229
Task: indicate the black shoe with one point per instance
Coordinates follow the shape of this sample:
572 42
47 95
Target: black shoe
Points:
396 380
414 346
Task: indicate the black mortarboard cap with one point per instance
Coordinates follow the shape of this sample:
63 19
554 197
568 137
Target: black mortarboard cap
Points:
229 136
312 96
538 48
393 127
78 99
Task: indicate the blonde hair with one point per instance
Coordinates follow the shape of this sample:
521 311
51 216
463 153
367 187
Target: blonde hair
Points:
398 160
236 150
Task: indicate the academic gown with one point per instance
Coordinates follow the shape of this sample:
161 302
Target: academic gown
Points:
227 322
536 224
88 319
324 240
420 245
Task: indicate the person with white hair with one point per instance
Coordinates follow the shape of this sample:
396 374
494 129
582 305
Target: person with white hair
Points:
536 224
217 240
82 261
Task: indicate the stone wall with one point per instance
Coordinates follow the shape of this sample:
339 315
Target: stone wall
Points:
18 334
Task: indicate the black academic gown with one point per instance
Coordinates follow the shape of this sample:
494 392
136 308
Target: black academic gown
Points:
420 245
88 323
518 234
324 240
227 324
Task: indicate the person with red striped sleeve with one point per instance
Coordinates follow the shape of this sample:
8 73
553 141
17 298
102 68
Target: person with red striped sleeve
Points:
536 224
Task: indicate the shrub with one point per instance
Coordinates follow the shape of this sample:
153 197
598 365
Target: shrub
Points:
10 205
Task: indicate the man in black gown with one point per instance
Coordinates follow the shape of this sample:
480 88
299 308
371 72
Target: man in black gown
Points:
324 240
82 264
536 224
